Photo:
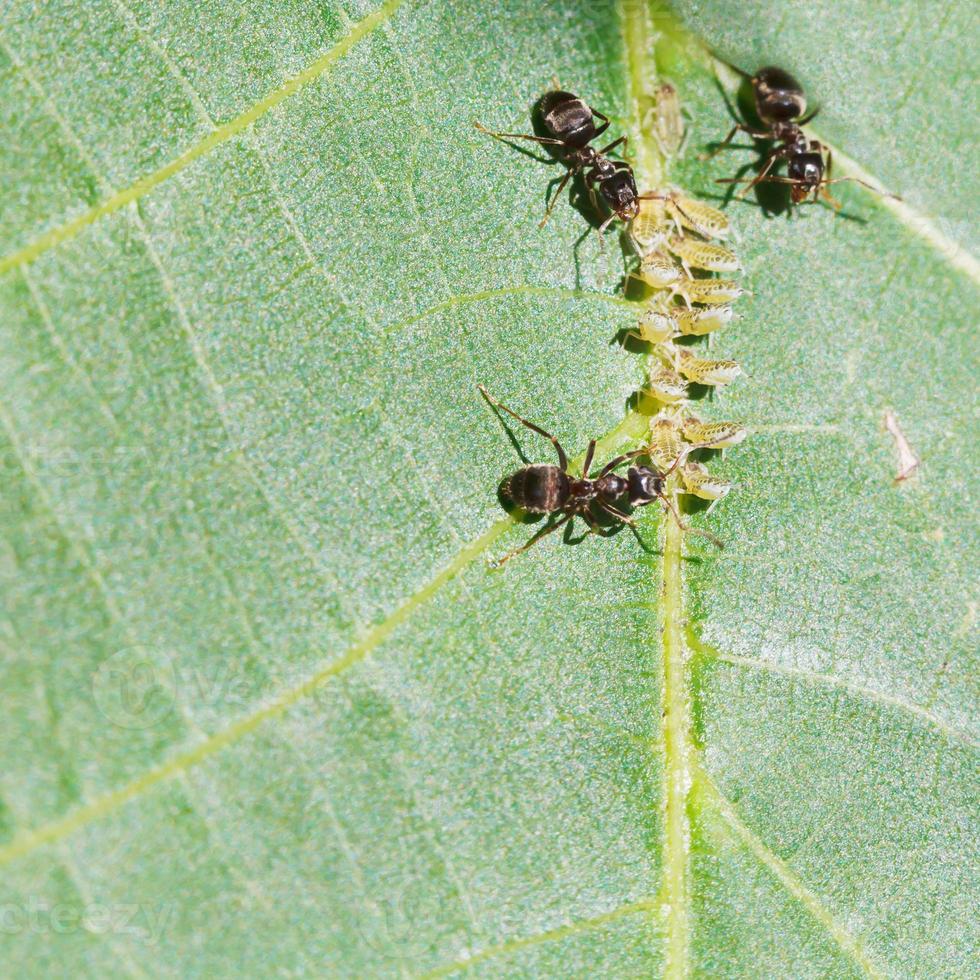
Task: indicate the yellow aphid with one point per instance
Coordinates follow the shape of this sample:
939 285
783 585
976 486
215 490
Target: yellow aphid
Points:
699 217
658 271
668 124
704 255
713 435
698 322
710 292
698 481
656 326
650 228
666 442
705 372
667 386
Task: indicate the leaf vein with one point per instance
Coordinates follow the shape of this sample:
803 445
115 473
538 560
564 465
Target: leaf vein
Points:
551 935
816 678
218 136
786 876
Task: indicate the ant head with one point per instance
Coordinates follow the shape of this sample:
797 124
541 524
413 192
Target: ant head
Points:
645 485
611 486
620 193
807 170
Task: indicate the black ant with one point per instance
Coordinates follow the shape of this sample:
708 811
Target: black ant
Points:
780 105
542 488
571 123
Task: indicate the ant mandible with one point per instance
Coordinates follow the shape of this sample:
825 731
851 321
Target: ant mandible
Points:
543 488
780 105
571 123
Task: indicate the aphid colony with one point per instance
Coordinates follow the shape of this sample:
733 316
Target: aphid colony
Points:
687 271
682 264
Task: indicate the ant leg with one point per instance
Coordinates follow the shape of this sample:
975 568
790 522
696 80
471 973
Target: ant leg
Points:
562 458
864 183
618 461
737 128
594 526
716 541
589 453
605 122
601 229
760 176
543 533
821 191
554 199
616 512
519 136
612 146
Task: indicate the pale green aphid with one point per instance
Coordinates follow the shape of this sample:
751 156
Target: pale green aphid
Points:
715 435
667 386
704 255
699 217
656 326
699 482
701 321
666 442
711 292
706 372
659 271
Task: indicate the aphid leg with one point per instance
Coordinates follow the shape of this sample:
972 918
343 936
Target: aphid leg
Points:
562 458
554 198
547 140
543 533
679 226
589 453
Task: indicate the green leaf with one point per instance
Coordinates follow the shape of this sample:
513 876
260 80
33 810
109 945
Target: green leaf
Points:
268 709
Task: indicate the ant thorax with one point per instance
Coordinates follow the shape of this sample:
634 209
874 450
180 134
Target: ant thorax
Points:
789 133
587 157
602 167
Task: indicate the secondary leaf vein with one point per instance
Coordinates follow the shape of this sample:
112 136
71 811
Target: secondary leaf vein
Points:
215 138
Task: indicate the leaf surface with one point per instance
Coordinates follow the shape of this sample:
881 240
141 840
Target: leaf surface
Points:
268 709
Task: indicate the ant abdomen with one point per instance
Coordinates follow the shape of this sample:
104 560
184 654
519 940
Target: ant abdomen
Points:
778 95
539 488
568 118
